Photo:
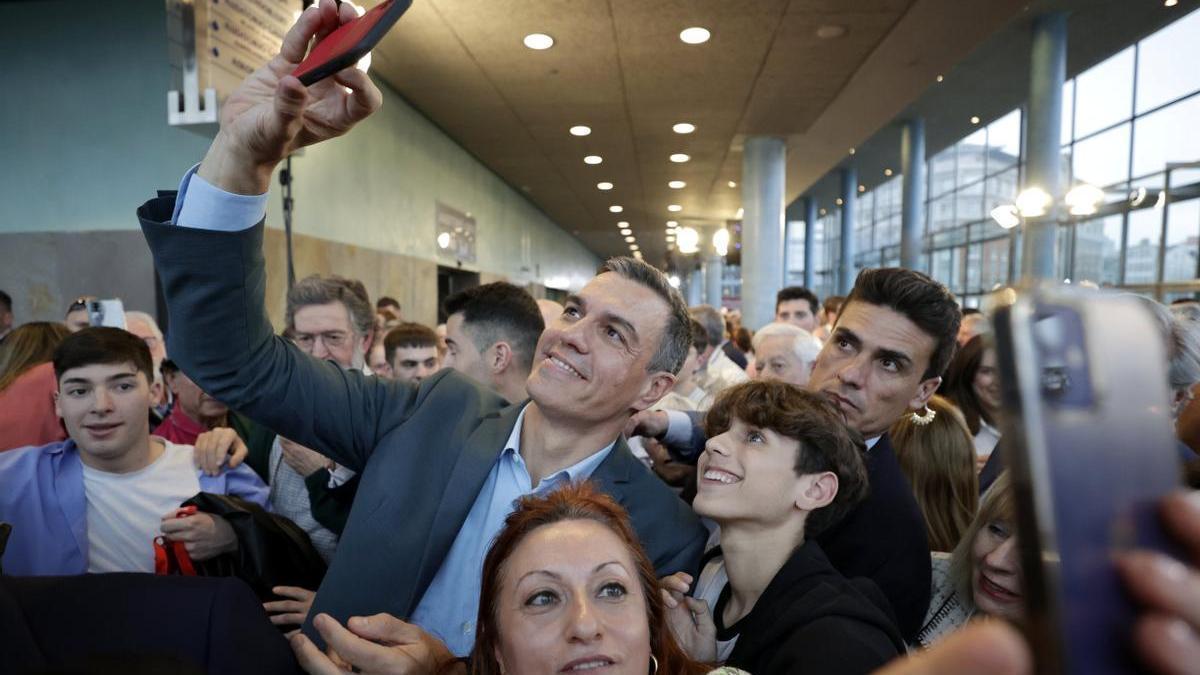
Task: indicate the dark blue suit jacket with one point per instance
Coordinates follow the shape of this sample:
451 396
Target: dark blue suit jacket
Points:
422 453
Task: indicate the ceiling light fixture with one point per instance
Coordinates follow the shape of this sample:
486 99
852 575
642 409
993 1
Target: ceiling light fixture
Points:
625 232
604 185
538 41
670 238
824 211
838 201
622 223
674 208
593 159
672 223
684 128
616 208
580 130
633 247
732 184
941 78
677 185
830 31
1032 202
852 151
720 241
1170 3
887 172
679 158
1006 216
974 119
443 240
673 280
688 240
694 35
630 240
1083 199
740 212
862 188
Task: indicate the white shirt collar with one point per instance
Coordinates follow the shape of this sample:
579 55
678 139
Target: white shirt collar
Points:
872 441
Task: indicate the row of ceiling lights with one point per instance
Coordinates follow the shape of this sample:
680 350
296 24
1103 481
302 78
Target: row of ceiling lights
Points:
693 36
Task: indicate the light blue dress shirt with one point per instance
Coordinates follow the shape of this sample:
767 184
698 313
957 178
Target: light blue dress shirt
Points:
451 603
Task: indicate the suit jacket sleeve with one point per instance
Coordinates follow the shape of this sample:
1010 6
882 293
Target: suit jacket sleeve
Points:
214 284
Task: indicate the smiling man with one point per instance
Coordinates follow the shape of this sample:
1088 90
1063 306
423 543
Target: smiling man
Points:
440 464
95 502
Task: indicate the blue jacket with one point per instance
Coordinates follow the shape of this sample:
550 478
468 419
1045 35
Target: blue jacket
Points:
42 497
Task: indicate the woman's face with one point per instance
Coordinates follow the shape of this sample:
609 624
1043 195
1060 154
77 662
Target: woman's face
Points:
987 383
996 577
570 601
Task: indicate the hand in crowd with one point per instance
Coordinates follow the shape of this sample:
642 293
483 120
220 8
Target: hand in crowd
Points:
379 644
986 647
649 423
304 461
204 535
293 610
690 619
221 446
271 114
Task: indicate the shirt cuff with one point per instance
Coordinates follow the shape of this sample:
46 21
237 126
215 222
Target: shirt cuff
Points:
340 476
679 428
203 206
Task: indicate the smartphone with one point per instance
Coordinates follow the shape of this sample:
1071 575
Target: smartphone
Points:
107 313
1093 450
350 42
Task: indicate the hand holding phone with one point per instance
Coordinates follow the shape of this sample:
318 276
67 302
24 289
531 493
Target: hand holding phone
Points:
350 42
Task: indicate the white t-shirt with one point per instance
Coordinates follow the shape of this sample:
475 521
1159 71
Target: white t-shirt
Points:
712 581
125 510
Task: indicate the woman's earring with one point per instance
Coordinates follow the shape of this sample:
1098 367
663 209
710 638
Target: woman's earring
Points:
922 419
654 665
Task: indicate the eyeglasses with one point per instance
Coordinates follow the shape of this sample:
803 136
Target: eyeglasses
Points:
331 339
80 303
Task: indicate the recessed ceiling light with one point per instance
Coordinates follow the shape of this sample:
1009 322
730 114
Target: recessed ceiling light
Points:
684 128
622 223
593 159
672 223
1170 3
862 188
732 184
974 119
630 239
695 35
823 211
616 208
539 41
604 185
676 185
679 158
674 208
852 151
633 247
941 78
625 232
838 201
887 172
830 31
580 130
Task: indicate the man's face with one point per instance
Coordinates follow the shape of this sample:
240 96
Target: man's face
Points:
158 350
872 367
777 360
77 320
748 473
591 362
377 360
104 408
326 332
461 353
796 312
413 364
192 400
6 320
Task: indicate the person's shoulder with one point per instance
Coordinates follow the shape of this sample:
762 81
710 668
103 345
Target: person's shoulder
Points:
30 454
450 387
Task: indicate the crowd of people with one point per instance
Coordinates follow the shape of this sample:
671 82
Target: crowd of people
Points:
617 482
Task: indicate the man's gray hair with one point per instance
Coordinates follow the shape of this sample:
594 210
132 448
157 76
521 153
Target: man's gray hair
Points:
1181 335
805 346
713 322
677 332
135 315
318 290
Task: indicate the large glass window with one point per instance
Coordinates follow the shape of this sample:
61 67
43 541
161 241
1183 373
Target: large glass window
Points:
1104 94
1167 64
1169 135
1141 246
1098 250
1004 142
1103 160
1183 241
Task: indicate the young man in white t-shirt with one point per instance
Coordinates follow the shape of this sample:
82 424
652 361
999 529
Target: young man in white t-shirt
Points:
96 502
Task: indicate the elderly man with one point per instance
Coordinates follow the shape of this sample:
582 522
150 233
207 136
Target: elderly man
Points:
716 372
786 353
442 463
144 326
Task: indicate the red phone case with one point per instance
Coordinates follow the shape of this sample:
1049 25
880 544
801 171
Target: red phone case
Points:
350 42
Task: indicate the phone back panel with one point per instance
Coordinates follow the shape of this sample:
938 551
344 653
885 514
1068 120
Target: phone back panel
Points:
1093 451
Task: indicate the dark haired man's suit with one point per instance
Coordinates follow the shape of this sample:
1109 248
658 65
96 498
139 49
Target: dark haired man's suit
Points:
422 452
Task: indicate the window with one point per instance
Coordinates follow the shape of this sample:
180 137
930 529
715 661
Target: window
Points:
1104 94
1098 250
1141 247
1167 63
1183 241
1103 160
1004 142
1168 135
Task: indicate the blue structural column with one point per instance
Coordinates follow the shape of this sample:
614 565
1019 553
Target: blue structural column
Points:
695 293
1043 134
763 160
912 217
714 270
845 274
810 242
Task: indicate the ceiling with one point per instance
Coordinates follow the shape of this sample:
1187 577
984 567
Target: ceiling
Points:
619 67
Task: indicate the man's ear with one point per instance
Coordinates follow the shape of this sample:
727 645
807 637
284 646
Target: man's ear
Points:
57 407
817 491
156 391
656 387
925 391
501 357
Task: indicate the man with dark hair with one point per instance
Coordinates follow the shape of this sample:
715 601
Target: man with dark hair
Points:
95 502
389 307
829 314
443 462
797 305
885 359
6 315
780 468
491 333
411 352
